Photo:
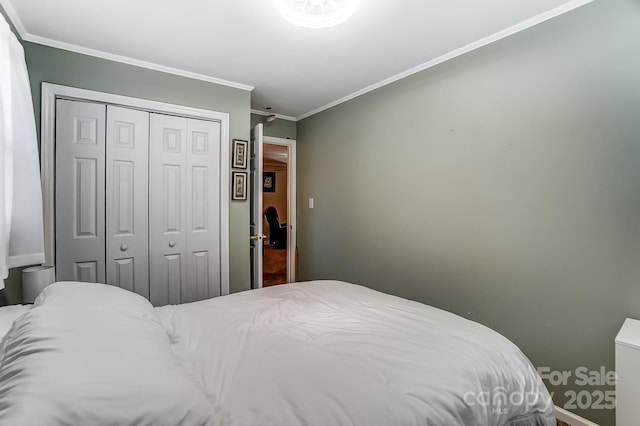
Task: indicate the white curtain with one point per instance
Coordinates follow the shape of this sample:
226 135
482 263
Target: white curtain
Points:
21 226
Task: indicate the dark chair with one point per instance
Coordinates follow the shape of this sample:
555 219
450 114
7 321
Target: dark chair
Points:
277 230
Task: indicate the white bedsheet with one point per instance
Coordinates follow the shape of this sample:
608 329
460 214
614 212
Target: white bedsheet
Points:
319 353
331 353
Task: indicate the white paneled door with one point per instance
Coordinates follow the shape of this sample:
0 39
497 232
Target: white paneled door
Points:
203 195
126 199
138 201
168 206
184 191
80 191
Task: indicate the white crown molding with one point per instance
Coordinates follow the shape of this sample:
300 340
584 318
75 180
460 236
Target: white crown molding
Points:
15 19
567 7
135 62
13 16
265 113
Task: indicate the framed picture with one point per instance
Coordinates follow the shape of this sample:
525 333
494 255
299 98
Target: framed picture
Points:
269 181
240 154
239 189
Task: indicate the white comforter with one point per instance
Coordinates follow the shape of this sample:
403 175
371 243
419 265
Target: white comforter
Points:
317 353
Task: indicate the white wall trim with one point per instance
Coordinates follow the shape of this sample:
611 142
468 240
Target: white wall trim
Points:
13 16
292 200
50 92
25 35
567 7
280 116
573 419
132 61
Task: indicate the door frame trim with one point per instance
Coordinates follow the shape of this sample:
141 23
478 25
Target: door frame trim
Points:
291 202
51 92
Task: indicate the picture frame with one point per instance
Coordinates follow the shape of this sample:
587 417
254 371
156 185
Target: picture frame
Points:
239 186
268 181
240 154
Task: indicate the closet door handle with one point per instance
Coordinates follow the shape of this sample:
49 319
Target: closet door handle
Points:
124 247
172 243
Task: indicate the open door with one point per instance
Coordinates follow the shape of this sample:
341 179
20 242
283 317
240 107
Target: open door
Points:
256 232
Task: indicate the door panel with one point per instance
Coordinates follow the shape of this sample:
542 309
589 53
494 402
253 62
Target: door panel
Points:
127 193
172 279
257 235
125 271
171 197
203 220
168 208
86 272
80 191
200 274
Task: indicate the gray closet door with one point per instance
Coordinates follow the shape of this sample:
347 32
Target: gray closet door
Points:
184 194
80 191
127 199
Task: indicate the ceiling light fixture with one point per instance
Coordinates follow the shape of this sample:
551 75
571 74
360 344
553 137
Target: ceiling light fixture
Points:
317 13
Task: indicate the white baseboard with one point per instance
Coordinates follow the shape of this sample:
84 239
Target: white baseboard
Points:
573 419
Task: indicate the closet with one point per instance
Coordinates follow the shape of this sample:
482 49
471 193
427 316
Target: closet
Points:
137 201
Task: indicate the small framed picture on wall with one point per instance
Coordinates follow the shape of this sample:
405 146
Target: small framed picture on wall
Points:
269 181
239 189
240 154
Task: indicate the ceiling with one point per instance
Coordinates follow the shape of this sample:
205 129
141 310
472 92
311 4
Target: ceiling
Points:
246 44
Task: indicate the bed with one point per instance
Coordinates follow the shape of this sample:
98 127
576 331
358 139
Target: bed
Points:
312 353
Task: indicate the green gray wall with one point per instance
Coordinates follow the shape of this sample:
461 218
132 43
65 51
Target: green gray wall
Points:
279 128
503 185
46 64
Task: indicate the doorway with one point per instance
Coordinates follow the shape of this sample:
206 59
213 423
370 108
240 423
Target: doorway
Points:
273 210
275 217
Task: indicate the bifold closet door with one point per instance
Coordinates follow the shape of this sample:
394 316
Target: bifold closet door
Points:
138 201
80 191
184 222
127 154
101 194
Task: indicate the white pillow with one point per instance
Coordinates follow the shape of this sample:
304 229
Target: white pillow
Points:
8 315
93 354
